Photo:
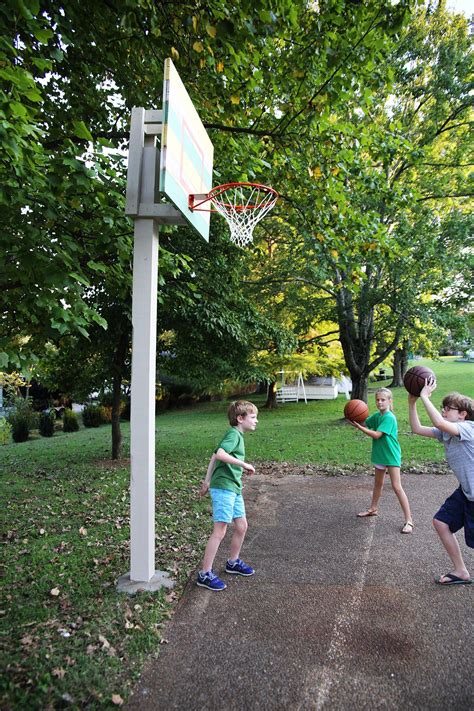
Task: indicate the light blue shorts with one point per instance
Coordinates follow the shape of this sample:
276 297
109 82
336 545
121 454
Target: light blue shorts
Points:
226 505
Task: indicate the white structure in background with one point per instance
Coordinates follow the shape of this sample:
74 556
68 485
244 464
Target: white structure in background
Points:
314 388
344 386
291 392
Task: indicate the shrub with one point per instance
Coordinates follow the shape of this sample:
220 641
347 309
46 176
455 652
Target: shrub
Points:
46 423
106 398
106 412
5 431
34 420
92 416
20 426
70 423
20 420
125 412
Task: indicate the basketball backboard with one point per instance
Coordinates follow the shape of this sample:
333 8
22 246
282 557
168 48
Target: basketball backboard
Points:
187 152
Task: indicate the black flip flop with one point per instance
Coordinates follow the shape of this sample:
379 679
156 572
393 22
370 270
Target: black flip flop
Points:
453 580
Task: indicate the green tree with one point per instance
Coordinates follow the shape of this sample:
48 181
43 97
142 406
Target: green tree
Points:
373 245
70 74
43 278
280 86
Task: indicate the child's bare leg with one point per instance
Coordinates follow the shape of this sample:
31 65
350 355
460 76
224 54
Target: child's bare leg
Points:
449 541
213 544
376 493
394 473
238 535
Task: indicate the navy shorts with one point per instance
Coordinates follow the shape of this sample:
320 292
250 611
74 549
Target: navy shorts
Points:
458 512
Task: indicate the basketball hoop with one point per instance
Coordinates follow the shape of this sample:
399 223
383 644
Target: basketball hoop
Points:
242 205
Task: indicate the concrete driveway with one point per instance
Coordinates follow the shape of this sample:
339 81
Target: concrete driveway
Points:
342 612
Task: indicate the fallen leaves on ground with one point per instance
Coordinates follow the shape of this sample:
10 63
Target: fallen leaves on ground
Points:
282 469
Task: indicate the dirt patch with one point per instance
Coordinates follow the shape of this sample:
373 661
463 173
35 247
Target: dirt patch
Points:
113 463
281 469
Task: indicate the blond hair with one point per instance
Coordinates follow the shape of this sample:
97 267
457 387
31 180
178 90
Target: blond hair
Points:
240 408
387 392
463 403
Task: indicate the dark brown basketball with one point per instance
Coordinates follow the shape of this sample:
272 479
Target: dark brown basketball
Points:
414 379
356 410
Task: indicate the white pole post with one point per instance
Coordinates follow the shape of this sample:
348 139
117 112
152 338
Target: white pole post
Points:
142 411
142 445
142 204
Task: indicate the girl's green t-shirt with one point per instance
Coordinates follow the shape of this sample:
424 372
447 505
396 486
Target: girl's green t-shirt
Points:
385 450
229 476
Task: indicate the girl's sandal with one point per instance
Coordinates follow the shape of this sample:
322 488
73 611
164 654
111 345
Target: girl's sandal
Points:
370 512
408 527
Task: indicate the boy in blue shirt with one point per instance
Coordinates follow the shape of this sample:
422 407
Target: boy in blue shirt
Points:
224 482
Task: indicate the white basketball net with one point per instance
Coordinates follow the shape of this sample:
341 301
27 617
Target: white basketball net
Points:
243 205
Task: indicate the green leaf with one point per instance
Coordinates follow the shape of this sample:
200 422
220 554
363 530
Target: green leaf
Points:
81 130
34 95
42 64
59 326
80 278
43 34
18 109
97 266
99 320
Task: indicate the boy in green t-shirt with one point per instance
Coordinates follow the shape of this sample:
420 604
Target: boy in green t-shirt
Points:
386 455
224 482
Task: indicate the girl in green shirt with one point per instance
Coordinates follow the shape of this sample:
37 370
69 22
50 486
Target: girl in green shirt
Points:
386 455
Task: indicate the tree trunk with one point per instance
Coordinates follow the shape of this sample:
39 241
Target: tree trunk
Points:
356 336
359 387
116 431
271 402
117 377
400 363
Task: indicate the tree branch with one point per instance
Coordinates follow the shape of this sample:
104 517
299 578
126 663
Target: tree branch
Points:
456 125
319 337
444 197
448 165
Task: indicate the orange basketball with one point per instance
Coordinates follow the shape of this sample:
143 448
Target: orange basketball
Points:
356 410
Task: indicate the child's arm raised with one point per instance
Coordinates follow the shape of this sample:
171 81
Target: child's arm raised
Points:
415 424
436 418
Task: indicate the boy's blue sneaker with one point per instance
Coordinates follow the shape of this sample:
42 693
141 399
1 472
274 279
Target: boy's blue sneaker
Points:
239 568
210 581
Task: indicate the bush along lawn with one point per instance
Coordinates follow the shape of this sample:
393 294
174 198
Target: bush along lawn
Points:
68 638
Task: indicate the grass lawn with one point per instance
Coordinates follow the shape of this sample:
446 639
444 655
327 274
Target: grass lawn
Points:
68 638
